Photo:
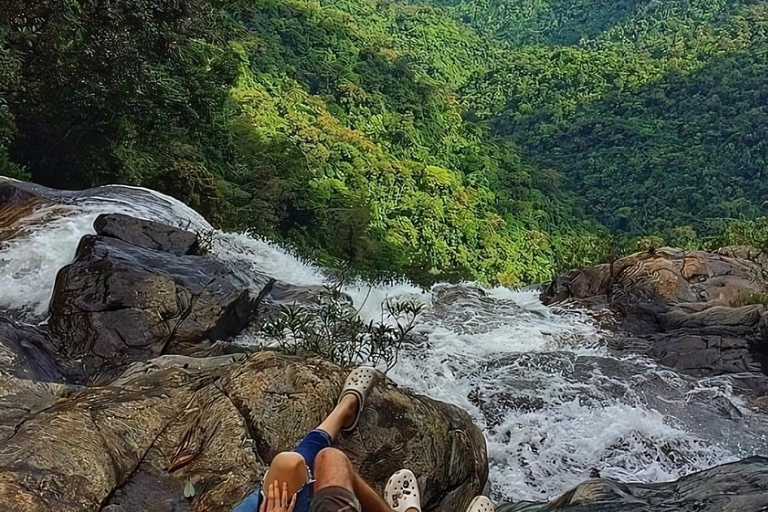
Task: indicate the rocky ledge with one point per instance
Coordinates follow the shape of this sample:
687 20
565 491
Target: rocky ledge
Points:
736 487
704 313
105 409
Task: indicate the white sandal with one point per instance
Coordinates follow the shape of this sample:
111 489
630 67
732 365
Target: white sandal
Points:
481 504
359 383
402 491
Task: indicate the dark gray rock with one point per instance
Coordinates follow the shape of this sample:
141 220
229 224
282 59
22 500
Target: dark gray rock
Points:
702 354
147 234
118 303
27 353
737 487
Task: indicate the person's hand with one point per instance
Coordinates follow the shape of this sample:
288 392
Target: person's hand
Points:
278 501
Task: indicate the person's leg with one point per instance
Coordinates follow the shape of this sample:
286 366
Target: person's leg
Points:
291 467
322 437
334 470
342 416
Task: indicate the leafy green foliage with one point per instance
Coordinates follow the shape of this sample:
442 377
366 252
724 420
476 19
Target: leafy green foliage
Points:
750 233
498 140
657 120
336 127
334 330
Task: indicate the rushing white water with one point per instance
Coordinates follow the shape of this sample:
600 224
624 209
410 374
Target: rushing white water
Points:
553 401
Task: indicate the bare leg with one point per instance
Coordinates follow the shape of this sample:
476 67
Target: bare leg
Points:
333 469
342 416
290 466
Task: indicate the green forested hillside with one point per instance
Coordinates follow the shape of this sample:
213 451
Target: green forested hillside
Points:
655 115
489 139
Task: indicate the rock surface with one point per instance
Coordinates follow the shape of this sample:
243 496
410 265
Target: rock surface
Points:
218 422
147 234
118 303
15 204
125 315
737 487
700 312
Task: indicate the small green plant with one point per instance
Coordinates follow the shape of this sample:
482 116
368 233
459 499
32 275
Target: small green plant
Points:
334 330
205 240
750 299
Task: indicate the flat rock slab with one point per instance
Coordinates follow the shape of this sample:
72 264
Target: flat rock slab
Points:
737 487
218 424
147 234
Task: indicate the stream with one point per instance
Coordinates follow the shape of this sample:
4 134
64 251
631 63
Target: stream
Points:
554 402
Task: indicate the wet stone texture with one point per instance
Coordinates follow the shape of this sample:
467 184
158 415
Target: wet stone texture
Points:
736 487
703 313
118 303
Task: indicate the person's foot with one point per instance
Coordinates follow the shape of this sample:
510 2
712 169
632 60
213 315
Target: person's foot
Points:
358 385
402 492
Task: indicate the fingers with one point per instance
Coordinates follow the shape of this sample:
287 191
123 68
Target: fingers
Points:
277 500
271 497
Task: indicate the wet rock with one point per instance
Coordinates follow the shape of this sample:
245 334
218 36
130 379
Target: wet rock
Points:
26 353
704 355
17 203
147 234
699 312
739 486
118 303
218 424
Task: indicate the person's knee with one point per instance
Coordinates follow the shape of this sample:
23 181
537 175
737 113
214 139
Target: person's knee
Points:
331 457
289 468
333 469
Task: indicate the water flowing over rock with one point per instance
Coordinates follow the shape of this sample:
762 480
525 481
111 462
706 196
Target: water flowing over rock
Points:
699 312
736 487
553 398
152 420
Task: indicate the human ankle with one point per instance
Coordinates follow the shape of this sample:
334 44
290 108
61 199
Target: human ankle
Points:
350 404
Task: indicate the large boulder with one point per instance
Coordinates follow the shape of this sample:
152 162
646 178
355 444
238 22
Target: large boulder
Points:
700 312
118 303
217 423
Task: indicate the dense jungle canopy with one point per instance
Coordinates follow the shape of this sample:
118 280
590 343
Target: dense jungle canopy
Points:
499 140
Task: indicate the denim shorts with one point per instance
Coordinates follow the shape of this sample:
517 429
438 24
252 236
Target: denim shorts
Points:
308 448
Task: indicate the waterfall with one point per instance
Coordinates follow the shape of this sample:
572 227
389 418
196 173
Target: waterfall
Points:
553 400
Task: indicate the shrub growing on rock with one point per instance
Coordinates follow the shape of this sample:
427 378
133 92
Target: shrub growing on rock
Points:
335 330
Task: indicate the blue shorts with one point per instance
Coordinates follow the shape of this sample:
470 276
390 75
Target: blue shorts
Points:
308 448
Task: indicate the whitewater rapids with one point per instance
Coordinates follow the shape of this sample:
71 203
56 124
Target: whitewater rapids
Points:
554 402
